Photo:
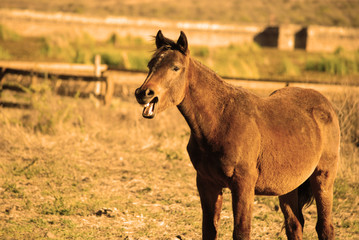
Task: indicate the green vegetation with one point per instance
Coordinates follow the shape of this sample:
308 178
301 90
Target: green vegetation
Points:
4 54
234 60
288 68
126 52
339 63
133 53
7 34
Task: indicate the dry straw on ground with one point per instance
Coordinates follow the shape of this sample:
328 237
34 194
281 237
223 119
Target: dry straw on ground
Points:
66 160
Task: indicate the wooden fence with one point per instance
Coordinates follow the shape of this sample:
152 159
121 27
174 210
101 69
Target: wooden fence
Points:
106 81
60 71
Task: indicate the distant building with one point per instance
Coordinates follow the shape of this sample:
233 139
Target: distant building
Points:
311 38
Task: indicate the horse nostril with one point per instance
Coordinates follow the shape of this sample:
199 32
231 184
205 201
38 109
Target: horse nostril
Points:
149 92
137 92
143 95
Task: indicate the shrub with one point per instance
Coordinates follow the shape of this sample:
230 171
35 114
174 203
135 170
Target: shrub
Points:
114 39
340 63
288 68
7 34
245 47
137 61
118 41
4 54
200 52
113 59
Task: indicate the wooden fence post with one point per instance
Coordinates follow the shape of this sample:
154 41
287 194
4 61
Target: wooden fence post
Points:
110 88
98 74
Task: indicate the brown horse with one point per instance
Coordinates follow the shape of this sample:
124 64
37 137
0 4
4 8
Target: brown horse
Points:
284 145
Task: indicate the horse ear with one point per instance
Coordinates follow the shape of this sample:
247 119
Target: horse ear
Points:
160 39
182 42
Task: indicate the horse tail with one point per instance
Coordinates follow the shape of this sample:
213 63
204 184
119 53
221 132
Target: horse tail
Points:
305 195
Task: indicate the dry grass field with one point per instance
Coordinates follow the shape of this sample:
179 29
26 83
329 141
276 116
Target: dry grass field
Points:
71 168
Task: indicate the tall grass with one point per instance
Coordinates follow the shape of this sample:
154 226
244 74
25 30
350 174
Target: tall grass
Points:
4 54
47 114
347 107
76 50
234 60
114 59
8 34
288 68
128 41
339 63
349 115
122 52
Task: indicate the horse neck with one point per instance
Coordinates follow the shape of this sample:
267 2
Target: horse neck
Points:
205 100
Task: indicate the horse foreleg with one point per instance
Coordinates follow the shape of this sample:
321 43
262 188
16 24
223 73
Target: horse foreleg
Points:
242 201
293 217
211 202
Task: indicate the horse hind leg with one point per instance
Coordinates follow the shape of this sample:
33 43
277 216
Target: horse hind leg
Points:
322 182
291 205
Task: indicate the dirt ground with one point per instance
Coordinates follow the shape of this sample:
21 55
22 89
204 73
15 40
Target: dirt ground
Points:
71 168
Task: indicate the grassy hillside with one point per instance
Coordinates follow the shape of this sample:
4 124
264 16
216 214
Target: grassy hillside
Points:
322 12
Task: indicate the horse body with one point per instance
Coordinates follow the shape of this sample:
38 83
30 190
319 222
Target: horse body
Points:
283 145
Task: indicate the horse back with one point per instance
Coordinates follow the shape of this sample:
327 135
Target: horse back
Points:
298 102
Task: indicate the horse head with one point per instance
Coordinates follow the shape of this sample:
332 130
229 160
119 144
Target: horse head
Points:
165 85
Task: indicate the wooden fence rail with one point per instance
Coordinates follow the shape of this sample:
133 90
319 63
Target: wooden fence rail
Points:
61 71
53 67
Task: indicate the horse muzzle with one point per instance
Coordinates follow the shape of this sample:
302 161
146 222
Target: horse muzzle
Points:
149 100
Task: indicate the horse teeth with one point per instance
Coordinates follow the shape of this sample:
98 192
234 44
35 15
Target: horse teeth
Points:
147 105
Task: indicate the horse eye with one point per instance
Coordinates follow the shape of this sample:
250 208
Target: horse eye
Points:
175 68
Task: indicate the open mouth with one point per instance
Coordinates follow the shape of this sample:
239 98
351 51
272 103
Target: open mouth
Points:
149 110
